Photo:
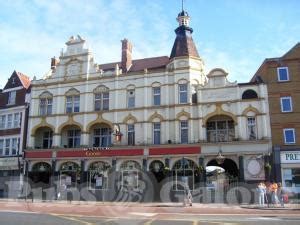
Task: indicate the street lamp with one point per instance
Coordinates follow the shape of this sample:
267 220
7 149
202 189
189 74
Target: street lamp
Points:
220 158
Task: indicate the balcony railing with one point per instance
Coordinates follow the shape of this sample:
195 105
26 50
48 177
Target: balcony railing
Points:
220 135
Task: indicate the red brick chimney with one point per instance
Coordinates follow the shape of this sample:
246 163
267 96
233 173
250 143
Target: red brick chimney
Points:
54 62
126 55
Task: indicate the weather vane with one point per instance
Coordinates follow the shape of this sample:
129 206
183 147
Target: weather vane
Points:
182 2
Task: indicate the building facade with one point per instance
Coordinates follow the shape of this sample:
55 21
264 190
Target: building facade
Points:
13 131
154 117
282 75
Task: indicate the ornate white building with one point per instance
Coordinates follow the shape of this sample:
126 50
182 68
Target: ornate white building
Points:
154 114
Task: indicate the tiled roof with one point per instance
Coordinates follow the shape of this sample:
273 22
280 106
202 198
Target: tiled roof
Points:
140 64
184 44
24 79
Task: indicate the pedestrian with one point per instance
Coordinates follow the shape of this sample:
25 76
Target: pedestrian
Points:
190 198
261 189
280 194
268 194
274 197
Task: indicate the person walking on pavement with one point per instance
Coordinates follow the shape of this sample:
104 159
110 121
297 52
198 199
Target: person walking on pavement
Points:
261 189
190 198
280 194
274 188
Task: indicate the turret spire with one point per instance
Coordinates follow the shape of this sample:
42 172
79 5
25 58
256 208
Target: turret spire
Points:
184 44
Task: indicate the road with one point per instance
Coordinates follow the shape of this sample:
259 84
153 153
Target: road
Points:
54 213
24 218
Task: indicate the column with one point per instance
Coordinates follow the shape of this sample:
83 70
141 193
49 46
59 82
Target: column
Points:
277 164
241 169
56 140
85 139
145 164
203 173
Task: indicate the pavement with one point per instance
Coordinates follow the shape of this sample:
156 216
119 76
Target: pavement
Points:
92 213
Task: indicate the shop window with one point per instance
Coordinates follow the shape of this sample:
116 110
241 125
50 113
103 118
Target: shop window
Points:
184 173
130 171
98 176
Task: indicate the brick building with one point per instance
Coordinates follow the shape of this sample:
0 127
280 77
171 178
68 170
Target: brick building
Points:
282 75
13 127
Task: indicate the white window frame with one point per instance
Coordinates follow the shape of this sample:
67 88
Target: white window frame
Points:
2 147
182 93
3 122
281 103
157 130
294 136
131 132
249 125
131 95
182 129
11 98
101 98
9 124
156 95
287 72
72 103
17 120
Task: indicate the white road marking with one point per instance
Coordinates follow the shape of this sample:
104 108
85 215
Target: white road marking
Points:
143 214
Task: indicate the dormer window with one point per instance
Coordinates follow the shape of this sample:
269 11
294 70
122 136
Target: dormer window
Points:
11 98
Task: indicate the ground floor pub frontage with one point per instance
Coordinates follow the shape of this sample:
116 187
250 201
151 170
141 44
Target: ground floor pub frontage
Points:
142 174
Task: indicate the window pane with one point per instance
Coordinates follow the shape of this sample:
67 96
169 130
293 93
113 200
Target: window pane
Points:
131 134
1 147
7 146
283 75
16 120
156 133
76 103
49 107
131 99
156 95
183 93
14 146
9 121
286 104
2 121
289 136
184 132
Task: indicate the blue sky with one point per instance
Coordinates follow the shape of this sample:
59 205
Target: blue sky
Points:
236 35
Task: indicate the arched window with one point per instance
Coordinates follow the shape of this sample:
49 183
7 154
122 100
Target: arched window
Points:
45 104
249 94
184 174
69 175
98 175
101 94
130 172
220 129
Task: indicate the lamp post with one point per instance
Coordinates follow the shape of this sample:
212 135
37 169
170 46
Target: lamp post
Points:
220 158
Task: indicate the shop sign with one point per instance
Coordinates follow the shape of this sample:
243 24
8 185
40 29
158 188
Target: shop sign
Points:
9 164
290 157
